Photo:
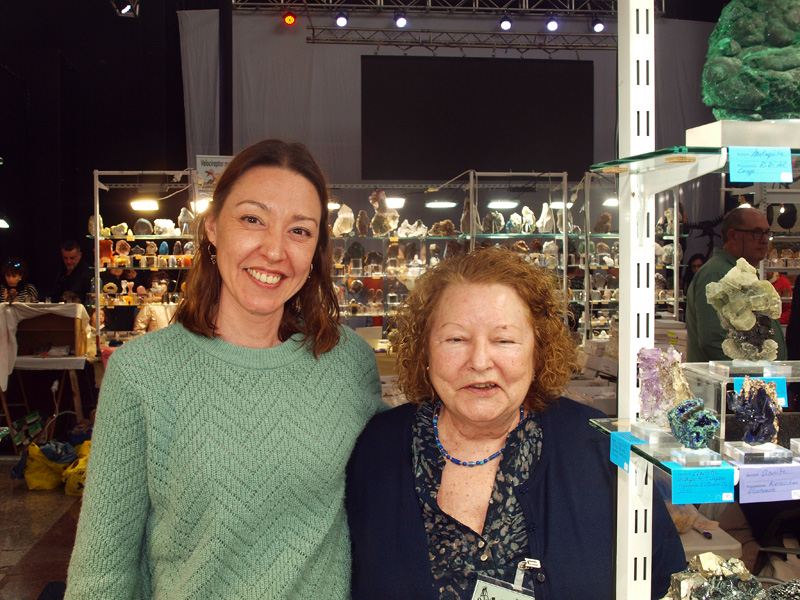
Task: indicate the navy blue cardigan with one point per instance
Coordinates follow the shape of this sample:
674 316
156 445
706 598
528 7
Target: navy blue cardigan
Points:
568 505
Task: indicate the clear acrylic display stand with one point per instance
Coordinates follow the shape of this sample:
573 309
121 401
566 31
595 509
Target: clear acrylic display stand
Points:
767 453
652 433
795 446
702 457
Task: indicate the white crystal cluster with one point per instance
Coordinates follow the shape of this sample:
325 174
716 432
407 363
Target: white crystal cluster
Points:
741 298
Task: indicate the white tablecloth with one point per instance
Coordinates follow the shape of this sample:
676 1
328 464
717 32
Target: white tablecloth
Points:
12 314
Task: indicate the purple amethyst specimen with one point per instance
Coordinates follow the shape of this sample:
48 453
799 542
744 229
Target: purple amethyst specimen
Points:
662 384
756 405
692 424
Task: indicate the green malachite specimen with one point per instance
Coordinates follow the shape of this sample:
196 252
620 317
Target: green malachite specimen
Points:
752 69
692 424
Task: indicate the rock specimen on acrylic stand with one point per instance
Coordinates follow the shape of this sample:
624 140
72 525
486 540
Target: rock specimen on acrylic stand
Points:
469 221
603 224
493 222
745 305
186 222
757 406
528 220
150 248
444 228
662 384
164 227
546 222
514 223
692 424
123 248
711 577
753 56
362 223
385 219
143 227
418 229
344 221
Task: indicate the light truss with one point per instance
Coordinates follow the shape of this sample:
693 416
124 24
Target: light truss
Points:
471 7
429 39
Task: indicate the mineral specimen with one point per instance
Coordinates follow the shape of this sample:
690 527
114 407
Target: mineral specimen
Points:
756 405
528 220
751 69
745 305
514 224
362 223
338 255
444 228
561 215
493 222
470 224
119 230
662 384
520 246
418 229
151 248
546 222
344 221
536 246
550 248
106 251
603 248
123 248
603 224
385 219
163 249
784 591
177 248
143 227
164 227
136 251
188 248
186 222
373 258
91 224
710 577
668 257
692 424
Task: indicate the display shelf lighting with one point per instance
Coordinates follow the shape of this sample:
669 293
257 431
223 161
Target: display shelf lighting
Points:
559 205
144 204
611 202
506 23
400 19
341 19
395 202
440 204
4 224
333 205
503 204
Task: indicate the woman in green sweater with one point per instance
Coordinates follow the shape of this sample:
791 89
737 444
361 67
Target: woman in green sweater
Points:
217 463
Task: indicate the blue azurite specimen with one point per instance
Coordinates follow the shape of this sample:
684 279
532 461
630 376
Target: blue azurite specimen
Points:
692 424
756 405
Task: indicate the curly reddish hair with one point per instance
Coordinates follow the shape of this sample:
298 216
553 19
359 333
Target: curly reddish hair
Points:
554 353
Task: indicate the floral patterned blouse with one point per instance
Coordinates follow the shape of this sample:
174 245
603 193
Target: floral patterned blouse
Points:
457 553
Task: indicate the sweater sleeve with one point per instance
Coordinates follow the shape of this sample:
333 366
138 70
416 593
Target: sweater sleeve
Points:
108 548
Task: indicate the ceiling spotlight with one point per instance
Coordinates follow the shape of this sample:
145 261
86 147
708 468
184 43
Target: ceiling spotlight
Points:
4 224
289 18
395 202
126 8
506 23
552 23
503 204
440 204
145 204
611 202
598 26
341 19
400 19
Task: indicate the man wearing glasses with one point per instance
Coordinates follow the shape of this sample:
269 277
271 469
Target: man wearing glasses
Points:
745 234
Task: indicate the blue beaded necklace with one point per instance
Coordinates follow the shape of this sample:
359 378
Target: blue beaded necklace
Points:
465 463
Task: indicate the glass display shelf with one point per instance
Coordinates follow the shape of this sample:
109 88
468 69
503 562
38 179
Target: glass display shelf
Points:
145 237
660 159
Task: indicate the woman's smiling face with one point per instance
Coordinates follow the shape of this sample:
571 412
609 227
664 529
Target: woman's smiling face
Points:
265 237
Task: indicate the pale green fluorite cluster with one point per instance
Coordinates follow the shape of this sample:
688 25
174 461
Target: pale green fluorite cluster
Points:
752 69
745 305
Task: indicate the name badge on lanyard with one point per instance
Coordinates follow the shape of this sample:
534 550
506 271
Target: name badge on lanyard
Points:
487 588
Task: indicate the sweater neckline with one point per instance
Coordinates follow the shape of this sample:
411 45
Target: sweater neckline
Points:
251 358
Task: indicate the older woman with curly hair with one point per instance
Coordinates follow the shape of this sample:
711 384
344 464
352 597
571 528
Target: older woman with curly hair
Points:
487 465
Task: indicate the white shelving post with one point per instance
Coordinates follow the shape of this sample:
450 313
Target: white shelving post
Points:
636 73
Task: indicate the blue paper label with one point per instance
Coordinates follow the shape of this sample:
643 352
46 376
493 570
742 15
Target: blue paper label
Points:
767 164
780 387
621 442
697 485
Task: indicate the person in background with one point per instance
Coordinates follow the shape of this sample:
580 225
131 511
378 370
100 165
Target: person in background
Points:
745 234
487 465
153 316
14 288
783 286
218 456
692 267
74 278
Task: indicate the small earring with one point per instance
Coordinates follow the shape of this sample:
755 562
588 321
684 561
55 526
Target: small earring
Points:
212 255
310 271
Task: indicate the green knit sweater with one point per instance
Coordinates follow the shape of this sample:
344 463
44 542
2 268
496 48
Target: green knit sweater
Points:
217 471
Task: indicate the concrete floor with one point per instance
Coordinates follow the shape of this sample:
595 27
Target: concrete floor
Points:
37 532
